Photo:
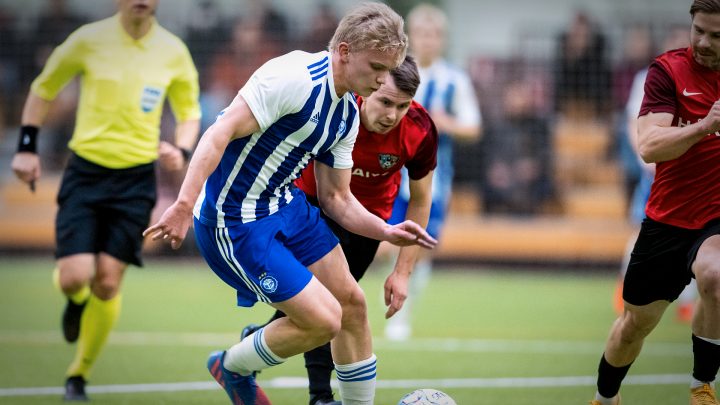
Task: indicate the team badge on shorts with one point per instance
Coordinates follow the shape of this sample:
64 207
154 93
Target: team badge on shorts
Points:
150 98
387 160
268 283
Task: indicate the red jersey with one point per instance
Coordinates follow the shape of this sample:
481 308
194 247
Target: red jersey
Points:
686 190
378 158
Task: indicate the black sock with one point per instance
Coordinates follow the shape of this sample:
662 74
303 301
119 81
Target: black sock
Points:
610 378
706 359
319 364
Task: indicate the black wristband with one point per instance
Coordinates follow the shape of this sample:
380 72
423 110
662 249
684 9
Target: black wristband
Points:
186 154
28 139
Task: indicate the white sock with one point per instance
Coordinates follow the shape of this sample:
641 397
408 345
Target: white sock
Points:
357 381
251 354
603 400
716 342
697 383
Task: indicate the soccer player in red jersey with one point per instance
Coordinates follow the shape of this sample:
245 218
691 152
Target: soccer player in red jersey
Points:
395 131
679 239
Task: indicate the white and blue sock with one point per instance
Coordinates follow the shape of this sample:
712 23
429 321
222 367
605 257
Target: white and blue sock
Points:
251 354
357 381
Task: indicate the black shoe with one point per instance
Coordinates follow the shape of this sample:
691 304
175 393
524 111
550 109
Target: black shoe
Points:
326 399
71 320
249 330
75 389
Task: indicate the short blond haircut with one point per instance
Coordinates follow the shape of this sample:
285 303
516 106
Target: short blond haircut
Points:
372 26
427 14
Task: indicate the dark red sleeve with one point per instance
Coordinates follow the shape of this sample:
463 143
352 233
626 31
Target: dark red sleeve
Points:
425 158
660 96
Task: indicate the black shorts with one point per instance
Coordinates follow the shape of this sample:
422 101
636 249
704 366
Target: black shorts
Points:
359 250
104 210
661 261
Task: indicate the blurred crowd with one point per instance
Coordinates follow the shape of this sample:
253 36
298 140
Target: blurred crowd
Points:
511 168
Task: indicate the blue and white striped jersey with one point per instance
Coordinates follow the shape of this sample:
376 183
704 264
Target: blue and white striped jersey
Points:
301 118
444 87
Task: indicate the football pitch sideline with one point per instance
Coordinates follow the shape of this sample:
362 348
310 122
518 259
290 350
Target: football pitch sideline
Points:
484 336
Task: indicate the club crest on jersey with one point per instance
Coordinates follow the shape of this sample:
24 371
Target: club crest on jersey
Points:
387 160
151 97
268 283
341 129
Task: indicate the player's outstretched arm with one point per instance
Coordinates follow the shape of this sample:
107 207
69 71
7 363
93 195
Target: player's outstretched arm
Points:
333 190
418 211
235 122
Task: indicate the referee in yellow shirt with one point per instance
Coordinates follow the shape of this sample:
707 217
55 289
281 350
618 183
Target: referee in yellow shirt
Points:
128 65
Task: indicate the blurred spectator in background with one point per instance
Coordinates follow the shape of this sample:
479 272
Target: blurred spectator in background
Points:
10 67
255 38
447 93
207 31
517 156
638 51
322 28
582 71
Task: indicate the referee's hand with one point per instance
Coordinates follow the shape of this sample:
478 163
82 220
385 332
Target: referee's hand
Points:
170 156
26 166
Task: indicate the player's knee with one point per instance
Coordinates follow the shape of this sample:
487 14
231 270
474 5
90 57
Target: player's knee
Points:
635 326
327 326
708 282
354 307
71 282
105 288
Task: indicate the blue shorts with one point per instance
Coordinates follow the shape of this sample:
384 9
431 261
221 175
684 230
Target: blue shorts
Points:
266 260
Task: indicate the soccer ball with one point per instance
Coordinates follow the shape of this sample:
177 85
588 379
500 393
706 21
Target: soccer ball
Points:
426 396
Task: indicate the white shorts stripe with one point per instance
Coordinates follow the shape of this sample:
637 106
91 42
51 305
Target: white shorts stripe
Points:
224 243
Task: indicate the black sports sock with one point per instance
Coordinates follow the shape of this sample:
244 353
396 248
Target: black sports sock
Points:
610 378
319 364
706 359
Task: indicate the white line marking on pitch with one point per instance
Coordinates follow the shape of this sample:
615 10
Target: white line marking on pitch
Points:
421 344
300 382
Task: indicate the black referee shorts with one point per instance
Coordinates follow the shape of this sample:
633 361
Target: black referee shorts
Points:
661 261
104 210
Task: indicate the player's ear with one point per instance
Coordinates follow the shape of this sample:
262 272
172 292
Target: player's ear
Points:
344 51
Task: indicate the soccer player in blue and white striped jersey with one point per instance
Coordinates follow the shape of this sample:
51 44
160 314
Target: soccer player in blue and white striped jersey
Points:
260 235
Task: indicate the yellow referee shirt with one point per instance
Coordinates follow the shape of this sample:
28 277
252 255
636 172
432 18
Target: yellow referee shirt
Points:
124 83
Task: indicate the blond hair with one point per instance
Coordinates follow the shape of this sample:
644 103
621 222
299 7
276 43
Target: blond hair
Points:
427 14
372 26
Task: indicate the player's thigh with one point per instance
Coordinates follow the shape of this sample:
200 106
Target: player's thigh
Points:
706 266
313 305
658 267
642 319
333 272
